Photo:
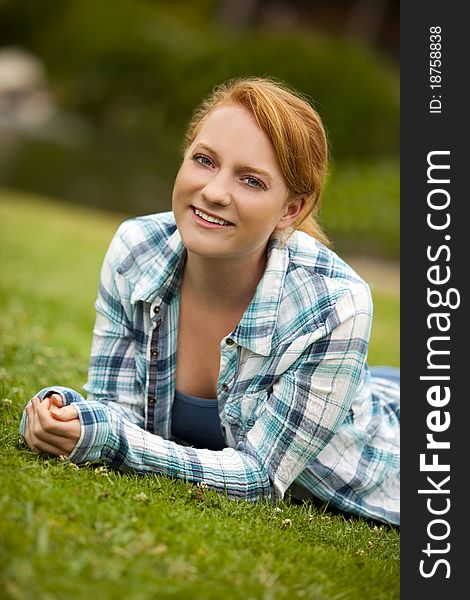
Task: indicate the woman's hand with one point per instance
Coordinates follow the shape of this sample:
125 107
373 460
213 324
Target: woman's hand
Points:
52 428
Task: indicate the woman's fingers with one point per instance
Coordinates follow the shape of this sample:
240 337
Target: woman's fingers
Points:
43 428
44 447
31 432
46 442
29 426
35 402
55 408
49 425
56 400
66 413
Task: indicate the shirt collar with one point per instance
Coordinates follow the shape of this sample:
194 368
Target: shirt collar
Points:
257 326
163 272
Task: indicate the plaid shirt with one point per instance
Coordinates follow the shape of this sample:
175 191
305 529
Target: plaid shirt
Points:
296 400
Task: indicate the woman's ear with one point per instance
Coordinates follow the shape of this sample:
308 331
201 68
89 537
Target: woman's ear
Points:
292 210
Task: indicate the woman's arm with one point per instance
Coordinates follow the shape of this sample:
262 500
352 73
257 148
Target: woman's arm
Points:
104 436
108 438
298 419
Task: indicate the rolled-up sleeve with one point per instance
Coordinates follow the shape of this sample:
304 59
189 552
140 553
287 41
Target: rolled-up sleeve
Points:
125 446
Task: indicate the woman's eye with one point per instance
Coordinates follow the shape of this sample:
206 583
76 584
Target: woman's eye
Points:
202 160
253 182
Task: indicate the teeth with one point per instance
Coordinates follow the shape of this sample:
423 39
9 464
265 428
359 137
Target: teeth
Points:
209 218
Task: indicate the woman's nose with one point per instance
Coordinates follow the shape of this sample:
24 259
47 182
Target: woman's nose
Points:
217 190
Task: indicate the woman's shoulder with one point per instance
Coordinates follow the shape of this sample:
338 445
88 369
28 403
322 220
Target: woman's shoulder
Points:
317 263
313 292
320 290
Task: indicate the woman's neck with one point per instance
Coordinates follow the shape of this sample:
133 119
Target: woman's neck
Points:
223 284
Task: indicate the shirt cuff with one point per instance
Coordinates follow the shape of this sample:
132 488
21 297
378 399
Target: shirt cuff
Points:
96 422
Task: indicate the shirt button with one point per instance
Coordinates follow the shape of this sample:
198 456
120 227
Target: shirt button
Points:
156 309
225 387
154 353
250 423
229 342
151 401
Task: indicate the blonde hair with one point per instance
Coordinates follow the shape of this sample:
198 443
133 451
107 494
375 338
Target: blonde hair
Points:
293 127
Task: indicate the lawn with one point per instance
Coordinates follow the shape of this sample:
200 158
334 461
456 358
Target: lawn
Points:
68 532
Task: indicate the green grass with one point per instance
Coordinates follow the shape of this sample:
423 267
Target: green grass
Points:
69 533
384 346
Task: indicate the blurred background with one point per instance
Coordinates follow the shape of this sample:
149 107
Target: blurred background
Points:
95 97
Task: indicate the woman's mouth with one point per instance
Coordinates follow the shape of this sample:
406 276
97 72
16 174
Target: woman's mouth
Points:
210 220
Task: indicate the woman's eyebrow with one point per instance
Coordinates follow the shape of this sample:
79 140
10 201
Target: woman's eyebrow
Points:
251 169
205 147
242 168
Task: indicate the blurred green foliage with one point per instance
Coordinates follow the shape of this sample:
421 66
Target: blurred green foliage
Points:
134 70
138 68
361 206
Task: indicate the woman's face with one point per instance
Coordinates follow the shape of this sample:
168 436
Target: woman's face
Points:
230 195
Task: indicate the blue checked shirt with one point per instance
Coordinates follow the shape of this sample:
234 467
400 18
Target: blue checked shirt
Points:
297 404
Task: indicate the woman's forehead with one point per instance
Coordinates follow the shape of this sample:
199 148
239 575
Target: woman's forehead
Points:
233 129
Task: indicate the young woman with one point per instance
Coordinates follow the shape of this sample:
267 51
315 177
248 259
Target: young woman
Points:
230 344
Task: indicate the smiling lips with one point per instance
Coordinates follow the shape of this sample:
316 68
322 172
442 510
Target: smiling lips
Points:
211 218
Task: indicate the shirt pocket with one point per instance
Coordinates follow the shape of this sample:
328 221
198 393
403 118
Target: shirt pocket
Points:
241 412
